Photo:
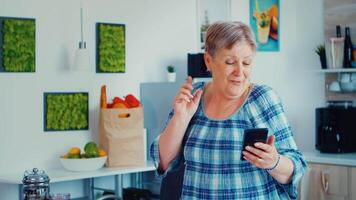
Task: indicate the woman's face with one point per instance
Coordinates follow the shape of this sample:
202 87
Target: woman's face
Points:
231 69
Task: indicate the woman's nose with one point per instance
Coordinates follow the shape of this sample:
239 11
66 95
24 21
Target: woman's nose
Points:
238 69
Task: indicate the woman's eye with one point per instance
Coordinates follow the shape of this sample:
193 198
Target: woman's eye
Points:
247 63
230 62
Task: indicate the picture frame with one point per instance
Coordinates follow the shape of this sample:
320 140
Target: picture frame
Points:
110 48
66 111
17 55
265 23
208 12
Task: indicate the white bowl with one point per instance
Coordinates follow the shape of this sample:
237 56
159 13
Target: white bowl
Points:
79 165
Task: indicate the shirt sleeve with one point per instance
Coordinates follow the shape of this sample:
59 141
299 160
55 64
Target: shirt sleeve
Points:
154 149
273 116
154 153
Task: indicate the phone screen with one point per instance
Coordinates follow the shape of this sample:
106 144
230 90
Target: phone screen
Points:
251 136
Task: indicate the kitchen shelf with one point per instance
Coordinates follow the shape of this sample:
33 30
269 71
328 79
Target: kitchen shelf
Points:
341 70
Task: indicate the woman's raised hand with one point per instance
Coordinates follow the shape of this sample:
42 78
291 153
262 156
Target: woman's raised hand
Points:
185 104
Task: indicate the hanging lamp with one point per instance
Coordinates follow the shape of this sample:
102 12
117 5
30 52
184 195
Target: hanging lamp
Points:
81 60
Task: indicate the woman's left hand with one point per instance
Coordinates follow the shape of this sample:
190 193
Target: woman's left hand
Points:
262 155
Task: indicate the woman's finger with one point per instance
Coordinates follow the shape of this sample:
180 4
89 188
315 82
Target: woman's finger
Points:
257 152
186 92
197 96
264 147
253 159
187 86
184 97
188 83
190 80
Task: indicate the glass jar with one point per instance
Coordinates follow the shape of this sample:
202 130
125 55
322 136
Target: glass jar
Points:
35 185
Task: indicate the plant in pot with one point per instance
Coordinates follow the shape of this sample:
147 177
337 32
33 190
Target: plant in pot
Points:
320 50
171 73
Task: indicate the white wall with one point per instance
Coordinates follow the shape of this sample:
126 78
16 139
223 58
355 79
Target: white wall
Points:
158 33
291 71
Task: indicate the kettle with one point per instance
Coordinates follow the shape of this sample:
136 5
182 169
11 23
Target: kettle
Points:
35 185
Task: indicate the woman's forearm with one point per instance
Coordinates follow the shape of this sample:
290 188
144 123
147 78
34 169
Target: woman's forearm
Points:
170 140
283 171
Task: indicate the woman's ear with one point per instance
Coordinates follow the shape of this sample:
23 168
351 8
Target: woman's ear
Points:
207 60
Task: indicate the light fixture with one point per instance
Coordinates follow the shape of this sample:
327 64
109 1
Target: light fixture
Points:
81 60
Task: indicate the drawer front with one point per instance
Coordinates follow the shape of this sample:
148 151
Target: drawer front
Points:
353 183
331 180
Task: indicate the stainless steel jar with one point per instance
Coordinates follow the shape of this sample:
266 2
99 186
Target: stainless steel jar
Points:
35 185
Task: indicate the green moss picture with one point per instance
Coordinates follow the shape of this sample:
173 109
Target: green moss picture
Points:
66 111
110 52
18 45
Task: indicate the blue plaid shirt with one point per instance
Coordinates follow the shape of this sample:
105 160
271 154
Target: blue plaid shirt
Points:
213 166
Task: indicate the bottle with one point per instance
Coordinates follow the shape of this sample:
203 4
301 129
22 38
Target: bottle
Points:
338 31
347 49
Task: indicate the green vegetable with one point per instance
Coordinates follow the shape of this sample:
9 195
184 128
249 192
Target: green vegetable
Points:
90 145
66 111
19 45
111 48
73 156
91 150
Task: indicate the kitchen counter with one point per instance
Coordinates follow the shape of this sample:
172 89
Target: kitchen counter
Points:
345 159
60 174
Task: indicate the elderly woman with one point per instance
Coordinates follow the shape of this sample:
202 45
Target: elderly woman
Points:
214 115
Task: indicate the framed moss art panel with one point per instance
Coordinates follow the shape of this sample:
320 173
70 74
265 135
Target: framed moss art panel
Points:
17 44
66 111
110 48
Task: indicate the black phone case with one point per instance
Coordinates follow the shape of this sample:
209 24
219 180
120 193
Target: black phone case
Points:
251 136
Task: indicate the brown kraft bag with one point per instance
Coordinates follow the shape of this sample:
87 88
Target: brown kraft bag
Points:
121 135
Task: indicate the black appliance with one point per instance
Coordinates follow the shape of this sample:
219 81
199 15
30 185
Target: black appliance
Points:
196 66
336 129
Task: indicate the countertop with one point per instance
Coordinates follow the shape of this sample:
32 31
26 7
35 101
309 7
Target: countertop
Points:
60 174
345 159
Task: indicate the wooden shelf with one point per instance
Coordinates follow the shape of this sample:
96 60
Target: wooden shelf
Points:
341 70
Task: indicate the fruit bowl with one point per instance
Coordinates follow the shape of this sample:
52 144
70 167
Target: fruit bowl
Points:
87 164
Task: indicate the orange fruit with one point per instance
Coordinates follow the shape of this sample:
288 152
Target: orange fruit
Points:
273 11
102 153
119 105
74 151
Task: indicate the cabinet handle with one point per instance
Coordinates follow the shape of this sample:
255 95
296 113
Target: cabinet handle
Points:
325 181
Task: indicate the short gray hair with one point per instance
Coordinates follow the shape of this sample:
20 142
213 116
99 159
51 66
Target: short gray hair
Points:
222 35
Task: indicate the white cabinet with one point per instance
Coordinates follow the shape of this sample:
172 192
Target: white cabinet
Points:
353 183
326 182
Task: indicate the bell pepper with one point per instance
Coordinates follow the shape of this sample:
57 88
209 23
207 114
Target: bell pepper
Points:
118 100
132 101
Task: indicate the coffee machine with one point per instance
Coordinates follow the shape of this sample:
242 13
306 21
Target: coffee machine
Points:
335 129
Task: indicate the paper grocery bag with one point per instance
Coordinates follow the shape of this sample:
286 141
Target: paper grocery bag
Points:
121 135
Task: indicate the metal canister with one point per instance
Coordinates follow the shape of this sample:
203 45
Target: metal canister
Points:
35 185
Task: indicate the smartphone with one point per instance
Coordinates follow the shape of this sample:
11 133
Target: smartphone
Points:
253 135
